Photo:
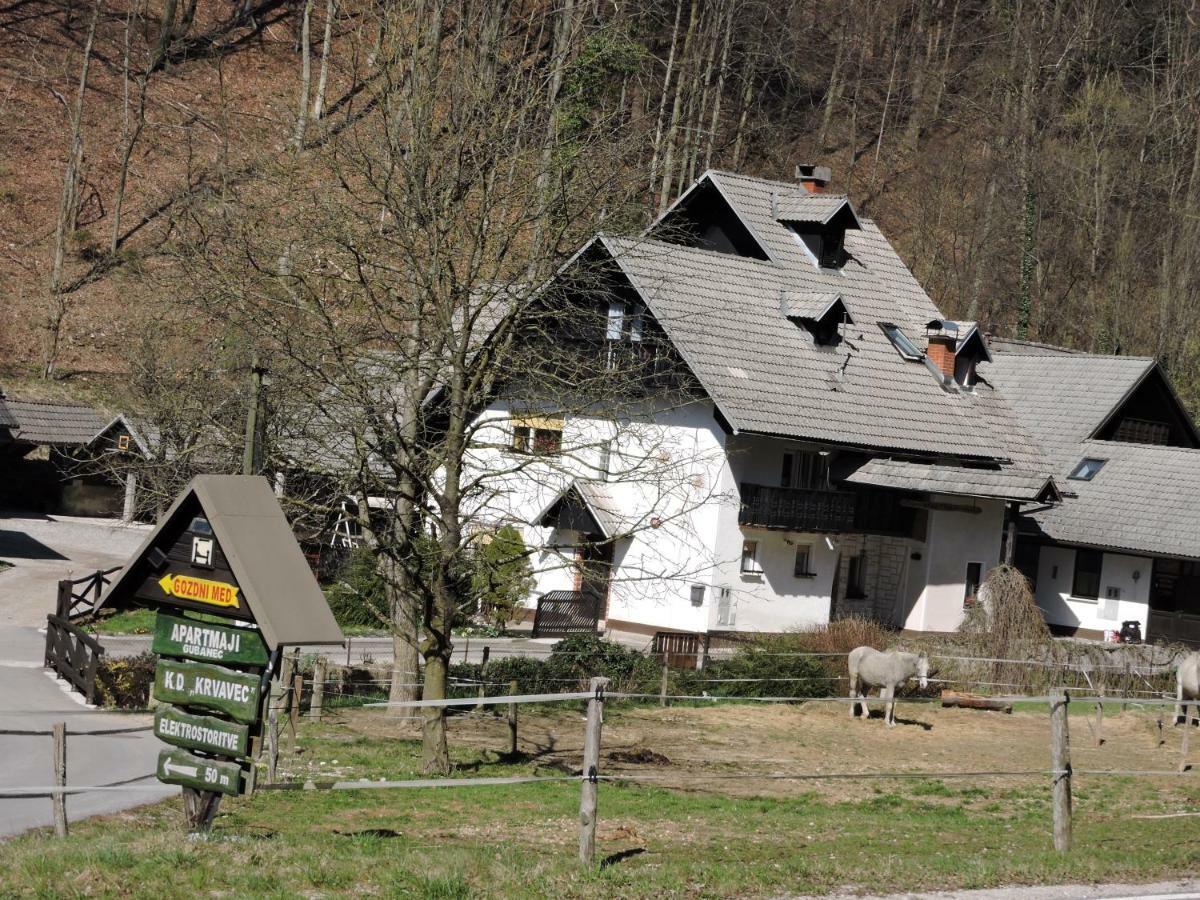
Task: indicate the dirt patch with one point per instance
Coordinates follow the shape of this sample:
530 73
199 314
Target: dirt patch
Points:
706 748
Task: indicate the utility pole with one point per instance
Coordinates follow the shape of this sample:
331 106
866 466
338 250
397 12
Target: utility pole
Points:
252 454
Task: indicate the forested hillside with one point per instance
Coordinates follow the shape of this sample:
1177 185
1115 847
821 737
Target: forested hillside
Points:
1037 164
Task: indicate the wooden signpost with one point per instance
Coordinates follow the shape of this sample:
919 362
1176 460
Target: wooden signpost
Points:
232 588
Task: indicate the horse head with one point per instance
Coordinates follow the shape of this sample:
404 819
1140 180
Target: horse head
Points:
923 670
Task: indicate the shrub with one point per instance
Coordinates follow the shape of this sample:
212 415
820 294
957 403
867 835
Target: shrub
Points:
125 683
773 658
358 597
502 576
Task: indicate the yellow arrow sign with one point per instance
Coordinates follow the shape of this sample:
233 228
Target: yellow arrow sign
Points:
199 590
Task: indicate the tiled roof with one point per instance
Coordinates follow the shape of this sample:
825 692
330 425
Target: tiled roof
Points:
1002 483
1145 499
53 423
799 205
1031 348
6 418
1061 399
807 304
765 373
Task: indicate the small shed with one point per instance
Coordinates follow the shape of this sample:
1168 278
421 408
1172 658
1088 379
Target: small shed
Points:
224 548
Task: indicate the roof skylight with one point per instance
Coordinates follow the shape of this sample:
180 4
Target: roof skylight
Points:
1087 469
901 342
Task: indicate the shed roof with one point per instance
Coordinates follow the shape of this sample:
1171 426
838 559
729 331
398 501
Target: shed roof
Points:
273 575
62 424
6 418
999 483
599 504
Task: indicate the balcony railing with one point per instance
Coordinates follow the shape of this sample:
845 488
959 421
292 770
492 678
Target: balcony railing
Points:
823 511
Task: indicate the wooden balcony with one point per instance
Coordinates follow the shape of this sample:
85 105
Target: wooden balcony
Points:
824 511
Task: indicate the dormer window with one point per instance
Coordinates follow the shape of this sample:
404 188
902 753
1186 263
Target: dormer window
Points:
822 314
819 224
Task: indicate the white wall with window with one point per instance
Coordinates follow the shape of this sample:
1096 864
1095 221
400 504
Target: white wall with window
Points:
1093 590
960 532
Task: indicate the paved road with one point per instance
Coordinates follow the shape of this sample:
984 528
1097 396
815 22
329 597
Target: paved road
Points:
1162 890
43 550
32 700
372 649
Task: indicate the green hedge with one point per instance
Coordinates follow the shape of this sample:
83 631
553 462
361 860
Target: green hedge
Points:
574 660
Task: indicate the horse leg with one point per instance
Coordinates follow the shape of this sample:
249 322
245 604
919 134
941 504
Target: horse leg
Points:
890 714
1179 707
853 696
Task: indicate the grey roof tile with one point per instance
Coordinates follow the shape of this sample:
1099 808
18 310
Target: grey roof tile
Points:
1002 483
53 423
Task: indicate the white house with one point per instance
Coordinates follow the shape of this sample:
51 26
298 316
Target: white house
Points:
839 453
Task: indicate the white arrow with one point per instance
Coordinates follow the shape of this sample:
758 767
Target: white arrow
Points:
190 771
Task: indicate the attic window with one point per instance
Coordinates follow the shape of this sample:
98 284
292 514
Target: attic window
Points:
1087 469
905 347
825 247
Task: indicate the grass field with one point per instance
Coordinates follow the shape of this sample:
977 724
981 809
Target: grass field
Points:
687 834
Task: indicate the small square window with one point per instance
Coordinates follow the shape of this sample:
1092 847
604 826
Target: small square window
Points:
697 595
1087 469
904 346
856 578
122 442
750 558
971 585
1086 583
803 566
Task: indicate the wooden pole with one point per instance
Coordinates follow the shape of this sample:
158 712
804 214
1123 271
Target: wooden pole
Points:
1187 730
318 691
199 809
272 743
1099 729
1060 763
512 720
294 711
591 767
60 779
662 688
482 673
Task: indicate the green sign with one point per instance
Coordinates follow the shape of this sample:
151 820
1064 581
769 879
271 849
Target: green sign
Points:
236 694
189 770
201 732
177 636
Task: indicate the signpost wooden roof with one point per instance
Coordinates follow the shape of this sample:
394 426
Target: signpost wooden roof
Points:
275 588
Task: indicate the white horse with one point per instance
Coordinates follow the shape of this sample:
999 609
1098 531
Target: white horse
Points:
871 668
1187 686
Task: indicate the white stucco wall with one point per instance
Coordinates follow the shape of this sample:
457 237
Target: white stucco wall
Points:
954 539
666 467
1056 575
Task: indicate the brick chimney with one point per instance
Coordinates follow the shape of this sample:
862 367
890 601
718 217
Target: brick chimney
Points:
941 353
814 178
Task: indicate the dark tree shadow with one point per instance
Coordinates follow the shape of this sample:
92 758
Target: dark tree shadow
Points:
19 545
621 857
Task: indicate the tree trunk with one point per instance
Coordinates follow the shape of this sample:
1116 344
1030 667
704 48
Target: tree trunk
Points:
68 208
664 192
305 77
435 753
662 102
323 79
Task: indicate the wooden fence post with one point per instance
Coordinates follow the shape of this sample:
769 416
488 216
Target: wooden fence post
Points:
591 767
272 742
294 711
1060 763
662 688
1099 729
482 674
318 691
512 720
60 779
1187 730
